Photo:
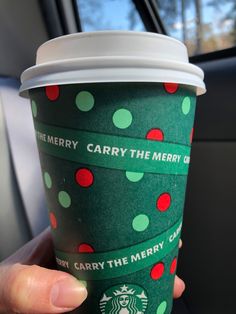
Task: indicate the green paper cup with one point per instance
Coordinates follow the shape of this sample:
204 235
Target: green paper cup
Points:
113 115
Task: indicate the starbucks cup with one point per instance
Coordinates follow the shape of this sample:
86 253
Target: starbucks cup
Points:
113 115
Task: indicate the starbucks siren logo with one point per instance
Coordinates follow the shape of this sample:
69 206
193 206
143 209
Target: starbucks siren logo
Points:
124 299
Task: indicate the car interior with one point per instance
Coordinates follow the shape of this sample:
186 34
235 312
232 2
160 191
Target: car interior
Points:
208 28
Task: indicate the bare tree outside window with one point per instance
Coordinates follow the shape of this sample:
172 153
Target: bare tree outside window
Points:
203 25
229 18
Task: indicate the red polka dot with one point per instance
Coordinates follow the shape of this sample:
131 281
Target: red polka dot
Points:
173 266
155 135
171 88
52 92
191 135
85 248
157 271
84 177
163 202
53 220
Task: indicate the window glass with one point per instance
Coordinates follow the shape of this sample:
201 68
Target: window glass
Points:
109 14
203 25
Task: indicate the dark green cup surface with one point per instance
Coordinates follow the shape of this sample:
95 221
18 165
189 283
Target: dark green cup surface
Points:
114 159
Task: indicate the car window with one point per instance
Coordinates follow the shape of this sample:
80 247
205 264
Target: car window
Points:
109 14
203 25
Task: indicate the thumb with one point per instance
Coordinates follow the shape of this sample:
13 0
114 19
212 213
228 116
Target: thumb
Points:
35 290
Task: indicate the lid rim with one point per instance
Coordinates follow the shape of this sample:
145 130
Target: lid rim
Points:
104 76
92 63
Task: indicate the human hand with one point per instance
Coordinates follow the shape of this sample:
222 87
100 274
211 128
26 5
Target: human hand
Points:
28 284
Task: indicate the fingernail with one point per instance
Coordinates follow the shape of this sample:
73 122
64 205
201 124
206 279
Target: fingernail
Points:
68 293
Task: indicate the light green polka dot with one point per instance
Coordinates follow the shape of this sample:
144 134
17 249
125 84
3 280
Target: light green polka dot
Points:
134 176
186 105
162 308
64 199
84 101
140 222
84 283
122 118
34 108
47 180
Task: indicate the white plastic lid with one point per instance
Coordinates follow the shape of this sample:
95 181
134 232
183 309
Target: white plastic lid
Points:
112 56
